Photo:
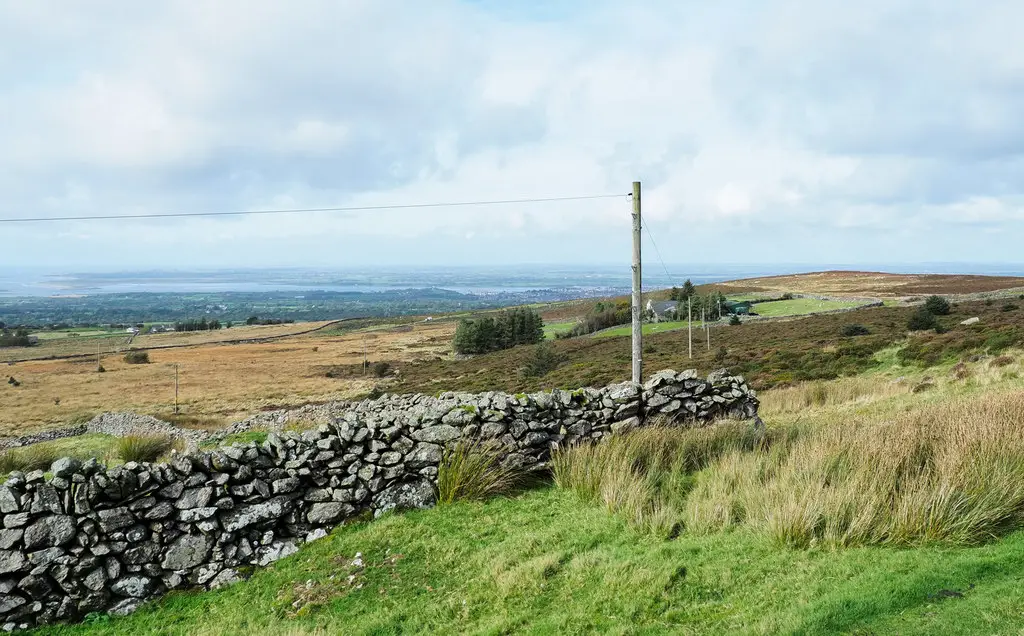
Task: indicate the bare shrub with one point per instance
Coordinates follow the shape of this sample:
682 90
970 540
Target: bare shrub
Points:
137 357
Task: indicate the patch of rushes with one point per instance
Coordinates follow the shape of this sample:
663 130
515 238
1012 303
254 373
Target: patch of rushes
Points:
645 475
950 471
474 471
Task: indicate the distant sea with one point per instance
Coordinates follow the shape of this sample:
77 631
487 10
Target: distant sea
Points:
586 280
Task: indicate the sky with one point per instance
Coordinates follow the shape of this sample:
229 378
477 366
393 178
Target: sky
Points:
763 131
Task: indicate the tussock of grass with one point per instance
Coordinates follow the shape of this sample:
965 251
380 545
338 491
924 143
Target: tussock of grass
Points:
950 473
34 457
474 471
643 475
143 448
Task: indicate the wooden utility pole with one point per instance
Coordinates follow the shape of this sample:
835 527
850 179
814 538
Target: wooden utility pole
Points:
707 327
175 388
638 363
689 321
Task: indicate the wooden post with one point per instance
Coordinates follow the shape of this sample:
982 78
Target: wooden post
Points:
638 364
707 327
175 388
689 321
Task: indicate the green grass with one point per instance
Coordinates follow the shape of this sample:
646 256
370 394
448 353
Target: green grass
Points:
551 330
41 455
800 306
546 563
649 328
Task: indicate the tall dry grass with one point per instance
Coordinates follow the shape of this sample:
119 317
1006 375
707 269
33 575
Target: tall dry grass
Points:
643 476
951 472
821 394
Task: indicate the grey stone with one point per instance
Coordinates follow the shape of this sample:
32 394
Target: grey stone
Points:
16 520
46 499
115 519
326 513
8 500
50 531
409 495
65 467
8 538
226 577
134 586
275 551
256 513
424 454
625 426
126 607
286 485
436 434
12 561
194 498
10 602
187 551
95 580
45 556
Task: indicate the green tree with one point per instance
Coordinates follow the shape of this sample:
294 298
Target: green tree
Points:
921 320
687 290
937 306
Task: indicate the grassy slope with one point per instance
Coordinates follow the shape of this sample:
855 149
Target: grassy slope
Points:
545 563
800 306
649 328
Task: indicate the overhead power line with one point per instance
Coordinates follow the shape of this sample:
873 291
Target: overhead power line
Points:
353 208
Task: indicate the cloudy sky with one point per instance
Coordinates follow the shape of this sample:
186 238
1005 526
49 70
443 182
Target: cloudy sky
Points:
876 131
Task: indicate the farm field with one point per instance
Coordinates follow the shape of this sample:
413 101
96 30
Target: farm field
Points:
648 328
105 342
218 383
800 306
552 329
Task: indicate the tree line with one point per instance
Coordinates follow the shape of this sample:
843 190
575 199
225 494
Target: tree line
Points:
509 328
198 325
14 338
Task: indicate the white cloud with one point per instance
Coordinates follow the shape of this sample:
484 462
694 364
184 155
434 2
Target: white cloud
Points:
846 120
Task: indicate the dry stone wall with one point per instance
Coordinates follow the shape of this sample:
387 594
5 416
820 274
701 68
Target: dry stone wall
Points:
90 538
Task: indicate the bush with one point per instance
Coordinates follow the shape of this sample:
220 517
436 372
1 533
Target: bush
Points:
473 471
137 357
850 331
735 320
380 369
543 361
143 448
937 305
1010 307
922 320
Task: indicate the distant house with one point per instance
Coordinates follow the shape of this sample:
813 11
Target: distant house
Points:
738 307
132 330
662 310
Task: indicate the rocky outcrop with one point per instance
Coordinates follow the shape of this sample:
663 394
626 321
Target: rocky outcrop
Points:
93 538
